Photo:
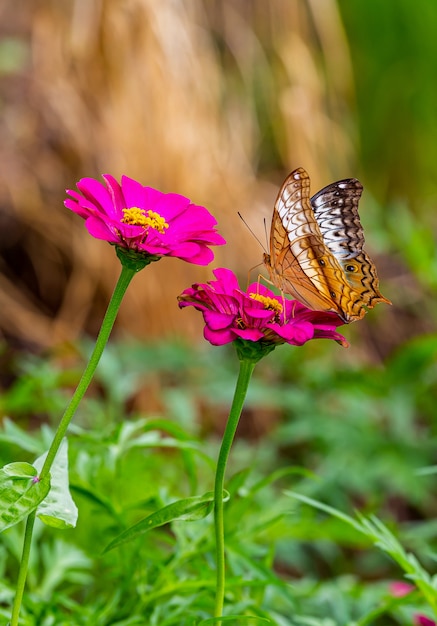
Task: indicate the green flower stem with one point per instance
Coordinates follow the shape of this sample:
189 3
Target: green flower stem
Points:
127 273
102 339
246 368
22 574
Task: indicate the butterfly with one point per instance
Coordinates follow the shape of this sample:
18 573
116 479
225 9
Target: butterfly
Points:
317 248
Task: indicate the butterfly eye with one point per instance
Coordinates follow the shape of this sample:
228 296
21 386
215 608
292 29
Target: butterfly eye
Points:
350 268
322 262
333 294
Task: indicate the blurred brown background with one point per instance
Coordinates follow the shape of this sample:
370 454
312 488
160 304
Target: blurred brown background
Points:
214 100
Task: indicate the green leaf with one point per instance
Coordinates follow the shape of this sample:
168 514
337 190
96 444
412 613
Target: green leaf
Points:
13 434
187 509
20 469
58 508
20 493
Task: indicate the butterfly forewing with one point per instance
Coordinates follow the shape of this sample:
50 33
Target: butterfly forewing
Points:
289 268
316 248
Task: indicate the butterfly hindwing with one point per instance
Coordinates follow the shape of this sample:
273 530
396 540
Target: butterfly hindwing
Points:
336 211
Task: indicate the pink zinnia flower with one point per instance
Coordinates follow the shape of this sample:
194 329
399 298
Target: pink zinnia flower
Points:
256 315
145 220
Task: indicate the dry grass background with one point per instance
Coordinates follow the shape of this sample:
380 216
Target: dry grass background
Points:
214 100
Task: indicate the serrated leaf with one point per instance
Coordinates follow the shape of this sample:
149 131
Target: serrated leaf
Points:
58 508
19 494
187 509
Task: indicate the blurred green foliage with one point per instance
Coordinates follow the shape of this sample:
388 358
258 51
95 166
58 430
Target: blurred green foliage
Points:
351 436
394 51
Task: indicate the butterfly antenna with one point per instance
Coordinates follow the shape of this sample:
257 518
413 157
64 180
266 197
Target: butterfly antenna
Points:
251 231
262 246
265 232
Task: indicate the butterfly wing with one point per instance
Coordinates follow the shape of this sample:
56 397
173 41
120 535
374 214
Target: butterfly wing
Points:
336 212
300 263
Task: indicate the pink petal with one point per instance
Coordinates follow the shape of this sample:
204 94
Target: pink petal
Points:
74 206
227 278
97 194
217 321
204 257
259 313
173 206
135 195
298 335
250 334
101 230
218 338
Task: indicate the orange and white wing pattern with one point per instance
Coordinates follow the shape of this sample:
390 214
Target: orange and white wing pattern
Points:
305 265
336 211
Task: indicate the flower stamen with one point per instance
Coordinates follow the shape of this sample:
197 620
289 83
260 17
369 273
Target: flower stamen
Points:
147 219
240 323
269 303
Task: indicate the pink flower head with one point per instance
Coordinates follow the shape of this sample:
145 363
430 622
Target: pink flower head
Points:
422 620
399 588
145 220
256 315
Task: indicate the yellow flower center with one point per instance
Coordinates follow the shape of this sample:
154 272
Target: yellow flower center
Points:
146 219
269 303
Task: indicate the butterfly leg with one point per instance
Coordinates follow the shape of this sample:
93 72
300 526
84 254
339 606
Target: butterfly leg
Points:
270 282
